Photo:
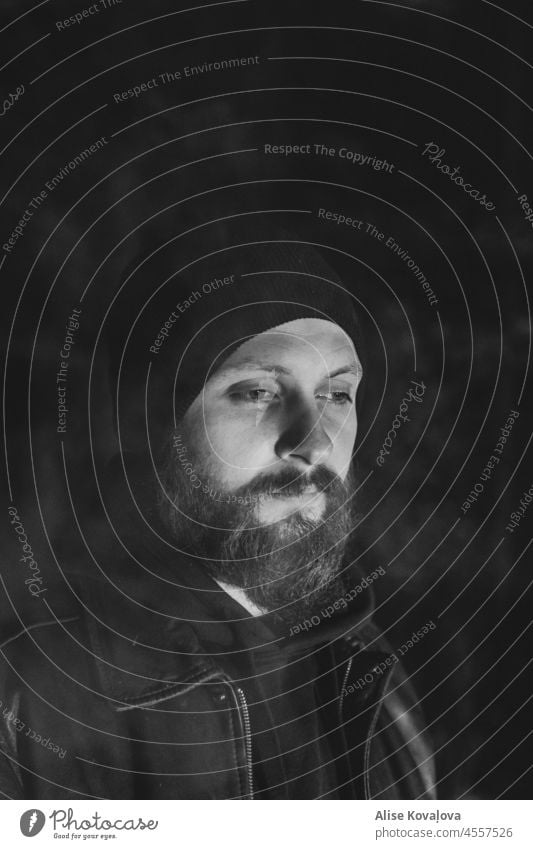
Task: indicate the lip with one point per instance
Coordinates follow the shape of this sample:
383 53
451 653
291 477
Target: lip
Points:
310 503
309 490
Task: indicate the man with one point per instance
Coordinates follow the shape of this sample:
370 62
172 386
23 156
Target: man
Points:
222 646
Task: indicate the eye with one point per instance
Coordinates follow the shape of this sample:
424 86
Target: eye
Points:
254 395
337 397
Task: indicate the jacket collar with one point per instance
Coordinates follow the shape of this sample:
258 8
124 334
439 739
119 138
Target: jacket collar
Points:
143 655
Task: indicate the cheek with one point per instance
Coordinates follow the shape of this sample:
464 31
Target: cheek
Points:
238 446
342 433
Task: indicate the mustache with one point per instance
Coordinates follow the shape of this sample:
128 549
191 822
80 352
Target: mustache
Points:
289 483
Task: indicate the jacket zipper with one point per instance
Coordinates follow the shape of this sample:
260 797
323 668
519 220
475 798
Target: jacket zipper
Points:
341 712
243 713
344 682
248 741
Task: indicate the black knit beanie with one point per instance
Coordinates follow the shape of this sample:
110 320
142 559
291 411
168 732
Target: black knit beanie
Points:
172 327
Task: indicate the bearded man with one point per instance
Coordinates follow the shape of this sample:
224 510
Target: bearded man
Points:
233 655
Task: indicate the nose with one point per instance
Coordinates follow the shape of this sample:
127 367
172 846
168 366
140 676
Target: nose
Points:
303 439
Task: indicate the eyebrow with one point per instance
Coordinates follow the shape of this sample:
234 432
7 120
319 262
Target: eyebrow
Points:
349 368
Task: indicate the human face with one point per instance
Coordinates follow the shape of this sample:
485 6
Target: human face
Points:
284 400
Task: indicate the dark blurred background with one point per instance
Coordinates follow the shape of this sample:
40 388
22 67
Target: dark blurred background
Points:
185 160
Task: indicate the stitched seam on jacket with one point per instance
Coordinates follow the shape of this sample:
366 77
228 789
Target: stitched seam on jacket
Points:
36 625
371 730
173 688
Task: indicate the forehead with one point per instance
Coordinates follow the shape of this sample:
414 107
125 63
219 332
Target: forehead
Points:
307 342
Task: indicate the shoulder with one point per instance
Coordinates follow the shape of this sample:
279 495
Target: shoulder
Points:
26 652
43 628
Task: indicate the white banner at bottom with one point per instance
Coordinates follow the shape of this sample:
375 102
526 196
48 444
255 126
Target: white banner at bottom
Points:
281 824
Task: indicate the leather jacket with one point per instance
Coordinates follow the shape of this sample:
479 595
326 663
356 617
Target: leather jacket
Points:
116 705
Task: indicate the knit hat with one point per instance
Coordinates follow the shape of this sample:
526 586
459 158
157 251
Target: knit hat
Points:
172 327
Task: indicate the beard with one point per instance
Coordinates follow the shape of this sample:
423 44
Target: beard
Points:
292 566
